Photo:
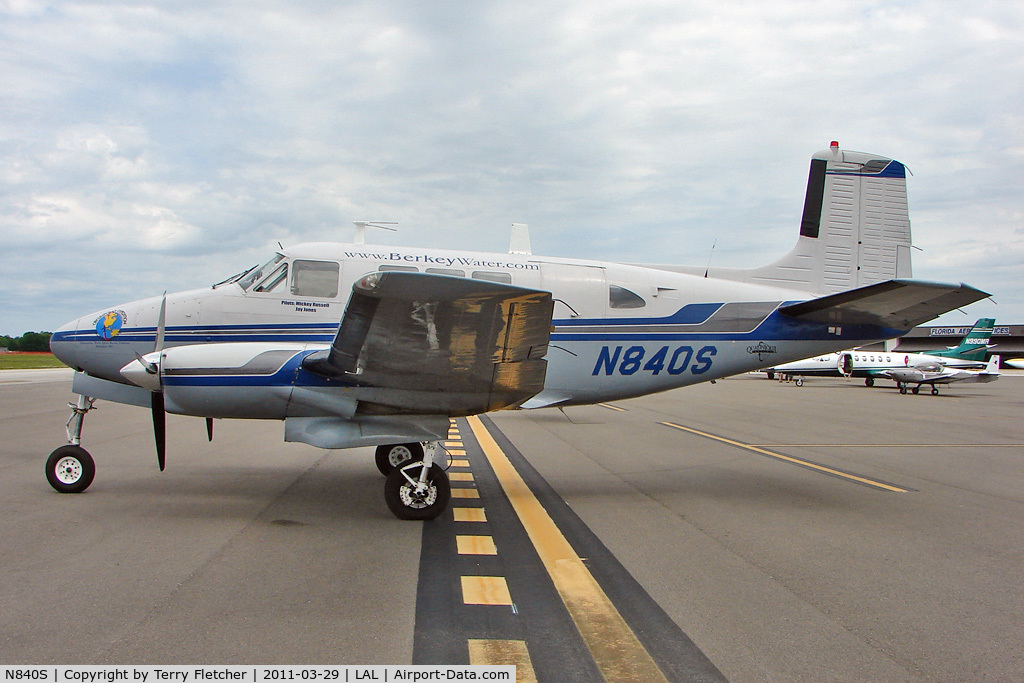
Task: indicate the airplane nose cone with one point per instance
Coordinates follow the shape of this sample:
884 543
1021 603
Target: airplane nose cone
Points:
144 373
63 346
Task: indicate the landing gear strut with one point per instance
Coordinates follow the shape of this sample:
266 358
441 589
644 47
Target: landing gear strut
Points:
418 490
70 468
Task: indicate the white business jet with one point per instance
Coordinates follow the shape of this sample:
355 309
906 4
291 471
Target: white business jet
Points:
355 345
872 364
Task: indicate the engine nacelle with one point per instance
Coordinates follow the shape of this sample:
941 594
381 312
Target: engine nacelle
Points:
217 380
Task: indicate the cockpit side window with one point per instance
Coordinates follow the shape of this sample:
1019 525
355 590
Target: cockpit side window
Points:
256 274
620 297
315 278
274 280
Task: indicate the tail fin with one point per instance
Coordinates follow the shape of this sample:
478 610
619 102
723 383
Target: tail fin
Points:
855 229
979 336
974 346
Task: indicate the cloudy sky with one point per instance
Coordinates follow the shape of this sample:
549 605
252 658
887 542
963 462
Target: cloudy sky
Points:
160 146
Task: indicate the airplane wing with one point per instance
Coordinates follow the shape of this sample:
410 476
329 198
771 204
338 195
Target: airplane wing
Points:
895 304
417 343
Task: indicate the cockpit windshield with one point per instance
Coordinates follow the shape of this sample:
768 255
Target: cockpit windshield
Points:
256 274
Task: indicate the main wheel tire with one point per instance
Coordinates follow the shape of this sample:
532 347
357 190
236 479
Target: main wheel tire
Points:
404 501
70 469
916 390
390 456
869 382
799 381
935 390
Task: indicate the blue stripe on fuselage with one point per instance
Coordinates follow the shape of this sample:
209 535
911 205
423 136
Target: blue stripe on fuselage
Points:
691 314
776 327
289 373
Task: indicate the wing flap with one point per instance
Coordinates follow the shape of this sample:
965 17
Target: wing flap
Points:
428 342
895 304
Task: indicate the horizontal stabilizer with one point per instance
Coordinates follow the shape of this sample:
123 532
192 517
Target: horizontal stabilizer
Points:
895 304
440 345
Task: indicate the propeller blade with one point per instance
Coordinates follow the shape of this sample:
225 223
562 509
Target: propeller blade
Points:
159 428
157 405
209 428
161 324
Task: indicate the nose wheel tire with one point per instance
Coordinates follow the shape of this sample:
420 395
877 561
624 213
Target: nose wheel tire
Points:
390 456
410 500
70 469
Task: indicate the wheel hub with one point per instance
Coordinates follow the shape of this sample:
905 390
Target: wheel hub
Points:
398 455
418 496
68 470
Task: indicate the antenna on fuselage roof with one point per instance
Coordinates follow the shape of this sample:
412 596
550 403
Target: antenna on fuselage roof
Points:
361 226
519 240
712 253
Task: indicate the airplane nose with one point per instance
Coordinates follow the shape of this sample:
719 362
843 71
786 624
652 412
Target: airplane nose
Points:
63 346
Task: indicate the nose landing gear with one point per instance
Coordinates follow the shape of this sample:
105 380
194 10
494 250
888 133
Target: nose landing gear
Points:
70 468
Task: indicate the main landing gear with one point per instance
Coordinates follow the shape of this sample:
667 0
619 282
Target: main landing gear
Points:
70 468
917 389
416 487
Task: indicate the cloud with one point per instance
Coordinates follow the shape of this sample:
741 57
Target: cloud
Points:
178 143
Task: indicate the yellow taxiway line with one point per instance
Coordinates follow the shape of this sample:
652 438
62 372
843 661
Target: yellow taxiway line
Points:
619 654
795 461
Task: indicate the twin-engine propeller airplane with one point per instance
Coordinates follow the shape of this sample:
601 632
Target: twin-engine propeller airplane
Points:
428 334
935 373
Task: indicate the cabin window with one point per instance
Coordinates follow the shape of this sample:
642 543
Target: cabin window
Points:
447 271
620 297
315 278
274 280
404 269
492 277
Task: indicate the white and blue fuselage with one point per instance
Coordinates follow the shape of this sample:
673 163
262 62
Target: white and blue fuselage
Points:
618 331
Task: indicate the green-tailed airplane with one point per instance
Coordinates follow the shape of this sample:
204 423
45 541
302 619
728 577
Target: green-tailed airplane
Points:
970 353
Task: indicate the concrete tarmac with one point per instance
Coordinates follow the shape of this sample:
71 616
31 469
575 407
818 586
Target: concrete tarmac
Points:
246 550
791 568
780 572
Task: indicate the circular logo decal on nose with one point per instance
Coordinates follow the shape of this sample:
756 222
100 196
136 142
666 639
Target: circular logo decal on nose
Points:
109 324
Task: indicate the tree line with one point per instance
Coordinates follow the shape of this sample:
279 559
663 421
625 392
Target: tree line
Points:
30 341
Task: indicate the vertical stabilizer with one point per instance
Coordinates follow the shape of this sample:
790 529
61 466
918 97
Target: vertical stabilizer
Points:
855 227
979 336
973 347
